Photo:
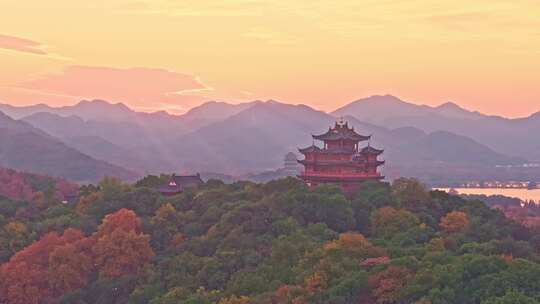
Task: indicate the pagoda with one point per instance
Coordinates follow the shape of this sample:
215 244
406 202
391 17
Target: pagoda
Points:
340 161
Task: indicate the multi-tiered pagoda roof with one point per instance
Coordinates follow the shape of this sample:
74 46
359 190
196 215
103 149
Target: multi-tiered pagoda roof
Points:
341 131
340 160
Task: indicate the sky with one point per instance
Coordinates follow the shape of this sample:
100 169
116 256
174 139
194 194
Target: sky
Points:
175 54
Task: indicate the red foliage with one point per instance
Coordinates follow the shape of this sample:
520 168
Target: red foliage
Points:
16 185
26 278
123 219
387 284
55 265
525 215
290 294
65 188
367 263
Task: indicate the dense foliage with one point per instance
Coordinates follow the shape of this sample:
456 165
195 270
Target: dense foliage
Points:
525 212
277 242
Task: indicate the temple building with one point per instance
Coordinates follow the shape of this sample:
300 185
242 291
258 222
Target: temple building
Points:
290 164
177 184
341 160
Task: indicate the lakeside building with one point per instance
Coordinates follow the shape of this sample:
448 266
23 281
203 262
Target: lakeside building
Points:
341 160
177 184
501 184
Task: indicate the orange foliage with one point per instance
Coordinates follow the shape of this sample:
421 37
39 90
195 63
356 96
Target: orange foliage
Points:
316 282
508 258
121 248
436 244
387 284
122 253
123 219
355 244
88 200
234 300
455 221
178 239
165 213
69 268
290 294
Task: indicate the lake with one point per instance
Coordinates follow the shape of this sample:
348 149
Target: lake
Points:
522 194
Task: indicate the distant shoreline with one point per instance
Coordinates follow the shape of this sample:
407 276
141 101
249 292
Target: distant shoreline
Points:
523 194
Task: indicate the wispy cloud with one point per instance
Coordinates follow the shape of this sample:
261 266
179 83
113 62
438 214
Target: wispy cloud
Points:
190 8
139 87
271 37
21 45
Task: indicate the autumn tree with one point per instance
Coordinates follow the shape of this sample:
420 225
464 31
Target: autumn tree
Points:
122 219
43 271
290 294
387 284
121 248
234 300
316 282
454 222
165 226
17 234
87 200
355 245
69 268
436 244
13 185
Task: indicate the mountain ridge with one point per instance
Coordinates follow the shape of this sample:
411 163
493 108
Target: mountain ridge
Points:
29 149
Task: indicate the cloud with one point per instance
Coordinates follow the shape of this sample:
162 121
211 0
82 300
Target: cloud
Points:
194 8
141 88
271 37
21 45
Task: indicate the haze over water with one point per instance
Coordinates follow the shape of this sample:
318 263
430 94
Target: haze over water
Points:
523 194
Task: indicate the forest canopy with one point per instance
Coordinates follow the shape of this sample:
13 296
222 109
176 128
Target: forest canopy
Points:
277 242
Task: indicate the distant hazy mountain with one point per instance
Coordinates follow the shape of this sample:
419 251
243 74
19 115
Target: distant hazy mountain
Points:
257 138
211 112
26 148
100 111
253 137
121 133
379 109
507 136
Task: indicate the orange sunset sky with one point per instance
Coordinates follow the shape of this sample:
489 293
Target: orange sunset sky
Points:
173 55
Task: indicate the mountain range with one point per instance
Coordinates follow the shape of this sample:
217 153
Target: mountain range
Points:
509 136
444 143
26 148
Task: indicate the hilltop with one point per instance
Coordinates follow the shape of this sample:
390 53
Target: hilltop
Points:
265 243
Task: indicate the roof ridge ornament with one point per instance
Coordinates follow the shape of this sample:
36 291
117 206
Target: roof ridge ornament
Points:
340 122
